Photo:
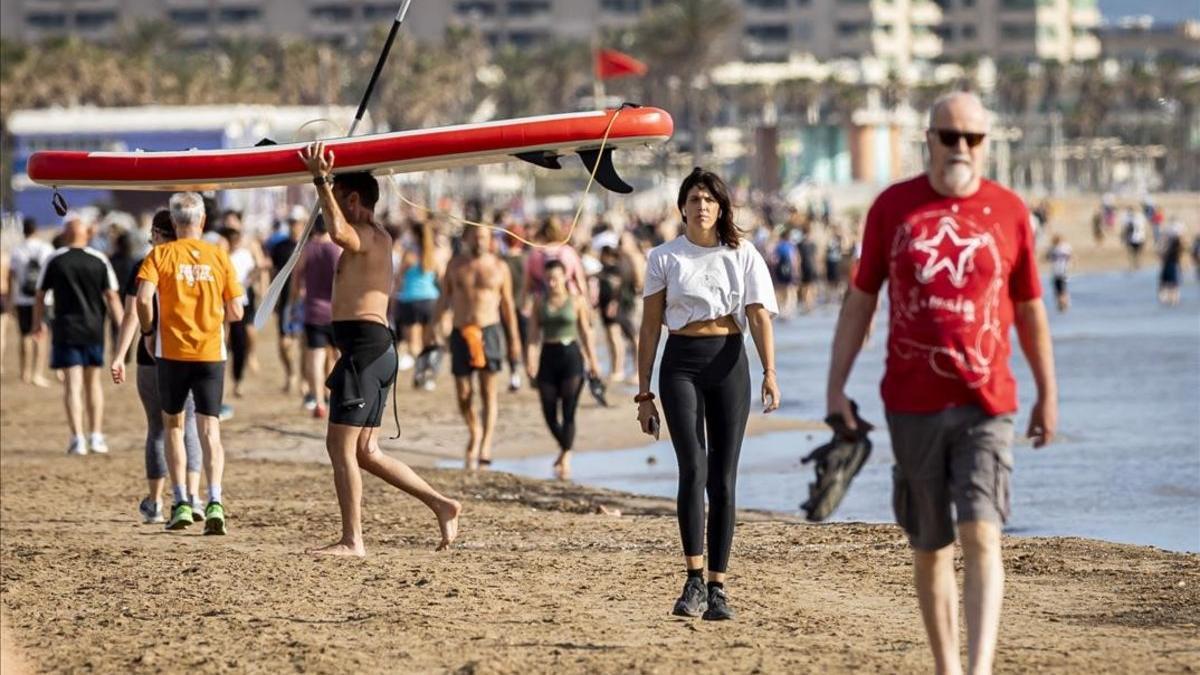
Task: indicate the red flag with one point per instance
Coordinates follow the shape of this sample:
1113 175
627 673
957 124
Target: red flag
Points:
611 63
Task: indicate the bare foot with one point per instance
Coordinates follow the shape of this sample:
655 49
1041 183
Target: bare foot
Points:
447 514
39 381
471 458
340 549
562 467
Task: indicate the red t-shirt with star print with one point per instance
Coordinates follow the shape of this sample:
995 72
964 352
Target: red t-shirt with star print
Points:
954 268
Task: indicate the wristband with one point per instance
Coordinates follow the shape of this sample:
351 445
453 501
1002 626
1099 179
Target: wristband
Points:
643 397
768 370
322 180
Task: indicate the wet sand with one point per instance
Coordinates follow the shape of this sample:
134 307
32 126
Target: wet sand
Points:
537 582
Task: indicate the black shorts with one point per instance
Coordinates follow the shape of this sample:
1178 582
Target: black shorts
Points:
205 380
493 351
1060 285
360 379
559 362
25 319
318 335
416 312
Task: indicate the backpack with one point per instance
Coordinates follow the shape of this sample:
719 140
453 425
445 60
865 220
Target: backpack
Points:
783 264
29 282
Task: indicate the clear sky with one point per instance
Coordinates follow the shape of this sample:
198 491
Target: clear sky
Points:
1166 11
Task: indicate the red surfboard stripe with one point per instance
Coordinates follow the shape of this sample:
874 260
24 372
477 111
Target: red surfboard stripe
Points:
61 168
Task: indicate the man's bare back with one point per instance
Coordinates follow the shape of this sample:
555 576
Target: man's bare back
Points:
475 287
364 277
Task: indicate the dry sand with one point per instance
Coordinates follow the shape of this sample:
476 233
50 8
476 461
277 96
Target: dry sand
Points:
538 581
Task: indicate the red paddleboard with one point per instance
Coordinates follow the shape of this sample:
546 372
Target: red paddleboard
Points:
539 140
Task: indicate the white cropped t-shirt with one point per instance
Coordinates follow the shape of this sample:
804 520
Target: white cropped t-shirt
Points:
708 282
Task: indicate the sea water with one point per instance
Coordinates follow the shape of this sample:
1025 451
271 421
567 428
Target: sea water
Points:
1125 466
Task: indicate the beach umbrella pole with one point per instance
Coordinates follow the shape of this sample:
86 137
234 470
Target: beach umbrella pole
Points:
276 288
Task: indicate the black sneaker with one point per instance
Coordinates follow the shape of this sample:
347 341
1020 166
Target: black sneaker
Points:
718 607
693 601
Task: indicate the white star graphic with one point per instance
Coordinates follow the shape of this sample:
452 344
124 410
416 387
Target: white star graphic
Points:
956 262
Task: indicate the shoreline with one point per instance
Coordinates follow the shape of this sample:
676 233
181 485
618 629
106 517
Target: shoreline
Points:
538 580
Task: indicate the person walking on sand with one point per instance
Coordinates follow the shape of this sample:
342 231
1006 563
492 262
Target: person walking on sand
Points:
417 282
25 266
562 326
479 294
150 508
198 294
84 287
957 253
289 329
708 286
366 369
312 289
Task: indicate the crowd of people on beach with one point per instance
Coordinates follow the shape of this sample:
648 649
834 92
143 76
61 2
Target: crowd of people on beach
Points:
373 299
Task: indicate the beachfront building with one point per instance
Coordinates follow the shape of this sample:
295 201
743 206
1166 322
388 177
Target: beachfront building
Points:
1140 40
894 31
1021 30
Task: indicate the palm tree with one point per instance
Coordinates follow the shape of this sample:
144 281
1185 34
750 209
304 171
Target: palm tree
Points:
681 41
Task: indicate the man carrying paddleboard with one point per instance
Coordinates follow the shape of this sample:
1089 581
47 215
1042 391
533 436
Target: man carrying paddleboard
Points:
366 370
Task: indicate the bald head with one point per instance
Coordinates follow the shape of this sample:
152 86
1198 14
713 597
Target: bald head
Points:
958 128
77 231
959 110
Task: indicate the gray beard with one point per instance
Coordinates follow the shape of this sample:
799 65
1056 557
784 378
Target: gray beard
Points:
958 176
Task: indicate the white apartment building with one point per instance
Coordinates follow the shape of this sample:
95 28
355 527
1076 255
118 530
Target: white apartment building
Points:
893 31
1046 30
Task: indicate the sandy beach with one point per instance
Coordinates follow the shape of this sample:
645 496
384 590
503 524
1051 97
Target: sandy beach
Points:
538 581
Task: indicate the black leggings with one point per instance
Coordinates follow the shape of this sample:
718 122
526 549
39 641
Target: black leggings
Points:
560 378
705 390
237 348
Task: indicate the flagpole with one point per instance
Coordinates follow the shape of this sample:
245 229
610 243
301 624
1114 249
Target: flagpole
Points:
276 288
597 81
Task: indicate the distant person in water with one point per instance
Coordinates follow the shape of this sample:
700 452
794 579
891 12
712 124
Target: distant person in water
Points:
1171 253
1060 263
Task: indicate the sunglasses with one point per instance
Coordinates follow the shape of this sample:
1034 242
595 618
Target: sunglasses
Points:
950 137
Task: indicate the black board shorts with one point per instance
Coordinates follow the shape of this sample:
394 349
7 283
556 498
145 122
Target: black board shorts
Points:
363 374
205 380
318 335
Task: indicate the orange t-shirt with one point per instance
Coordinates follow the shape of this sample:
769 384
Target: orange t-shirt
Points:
195 279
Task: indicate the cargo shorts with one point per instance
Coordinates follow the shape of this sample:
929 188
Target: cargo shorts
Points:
960 457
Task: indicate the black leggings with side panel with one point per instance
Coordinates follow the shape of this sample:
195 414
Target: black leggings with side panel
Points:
704 384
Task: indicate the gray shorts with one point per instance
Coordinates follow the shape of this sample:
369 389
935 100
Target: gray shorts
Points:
959 456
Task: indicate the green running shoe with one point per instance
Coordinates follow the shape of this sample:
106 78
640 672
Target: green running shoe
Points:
181 516
214 518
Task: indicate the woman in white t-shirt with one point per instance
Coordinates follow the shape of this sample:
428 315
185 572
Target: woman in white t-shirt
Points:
708 286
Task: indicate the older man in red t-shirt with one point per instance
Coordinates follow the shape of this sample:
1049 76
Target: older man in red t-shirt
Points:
957 253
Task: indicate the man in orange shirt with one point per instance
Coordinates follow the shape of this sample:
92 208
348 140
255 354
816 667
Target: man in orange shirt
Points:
198 293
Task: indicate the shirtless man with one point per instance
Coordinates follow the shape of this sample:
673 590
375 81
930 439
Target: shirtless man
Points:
366 370
479 292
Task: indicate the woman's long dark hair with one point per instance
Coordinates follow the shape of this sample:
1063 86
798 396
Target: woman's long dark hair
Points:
727 232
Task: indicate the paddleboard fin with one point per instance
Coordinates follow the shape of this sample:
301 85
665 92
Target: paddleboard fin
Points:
265 141
542 158
606 174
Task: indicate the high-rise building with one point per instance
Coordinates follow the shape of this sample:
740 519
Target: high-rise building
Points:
1021 30
1143 40
895 31
201 22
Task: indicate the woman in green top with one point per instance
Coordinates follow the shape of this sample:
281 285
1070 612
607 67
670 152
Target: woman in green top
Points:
557 325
